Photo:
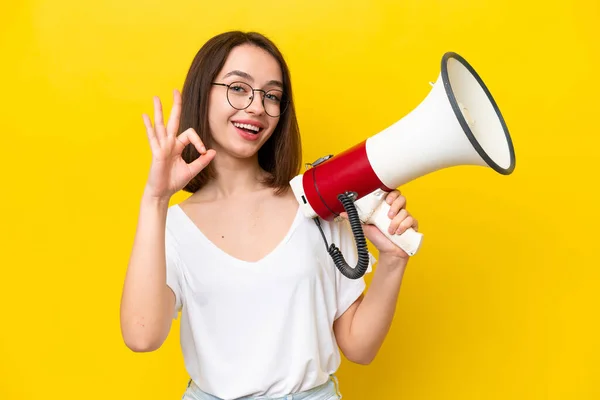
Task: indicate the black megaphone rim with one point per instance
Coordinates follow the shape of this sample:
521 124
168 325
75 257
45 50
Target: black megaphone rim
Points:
461 119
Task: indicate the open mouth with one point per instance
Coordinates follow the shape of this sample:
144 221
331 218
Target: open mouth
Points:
252 129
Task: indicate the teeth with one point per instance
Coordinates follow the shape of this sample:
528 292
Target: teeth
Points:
247 126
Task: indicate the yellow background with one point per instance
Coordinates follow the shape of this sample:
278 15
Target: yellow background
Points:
501 303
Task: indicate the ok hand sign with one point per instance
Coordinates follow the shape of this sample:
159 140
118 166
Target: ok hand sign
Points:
169 172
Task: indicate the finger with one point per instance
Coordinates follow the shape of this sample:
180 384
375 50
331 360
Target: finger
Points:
173 124
408 222
398 204
159 125
150 132
395 223
391 196
187 137
201 162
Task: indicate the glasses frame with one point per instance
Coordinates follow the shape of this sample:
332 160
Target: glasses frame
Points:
283 104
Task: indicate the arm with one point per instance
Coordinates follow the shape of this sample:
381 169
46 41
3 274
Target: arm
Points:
362 329
147 303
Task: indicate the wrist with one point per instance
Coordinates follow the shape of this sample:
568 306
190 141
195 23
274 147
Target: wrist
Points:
392 261
156 201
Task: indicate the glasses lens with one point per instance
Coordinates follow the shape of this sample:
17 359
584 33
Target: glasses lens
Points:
274 102
239 95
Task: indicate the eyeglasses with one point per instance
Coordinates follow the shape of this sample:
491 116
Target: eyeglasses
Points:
240 96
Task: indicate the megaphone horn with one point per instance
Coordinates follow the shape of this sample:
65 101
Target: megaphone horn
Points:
458 123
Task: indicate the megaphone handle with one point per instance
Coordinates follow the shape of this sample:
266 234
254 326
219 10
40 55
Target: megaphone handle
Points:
409 241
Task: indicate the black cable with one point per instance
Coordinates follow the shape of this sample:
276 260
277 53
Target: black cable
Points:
347 200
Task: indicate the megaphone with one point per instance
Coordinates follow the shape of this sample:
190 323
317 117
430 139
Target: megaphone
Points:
458 123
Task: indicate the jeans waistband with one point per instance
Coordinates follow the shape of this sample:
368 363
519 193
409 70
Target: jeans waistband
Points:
327 391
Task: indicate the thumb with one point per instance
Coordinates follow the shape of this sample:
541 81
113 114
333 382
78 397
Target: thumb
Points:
202 161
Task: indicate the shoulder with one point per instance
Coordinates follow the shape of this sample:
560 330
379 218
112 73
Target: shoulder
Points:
336 229
174 216
177 227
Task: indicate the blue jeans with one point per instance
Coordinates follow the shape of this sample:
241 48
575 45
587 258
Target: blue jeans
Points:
327 391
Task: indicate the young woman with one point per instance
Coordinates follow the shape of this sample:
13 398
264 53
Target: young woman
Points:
264 310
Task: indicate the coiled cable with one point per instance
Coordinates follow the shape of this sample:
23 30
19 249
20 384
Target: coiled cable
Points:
347 200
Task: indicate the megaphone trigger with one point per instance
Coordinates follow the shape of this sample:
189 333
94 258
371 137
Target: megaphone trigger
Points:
373 209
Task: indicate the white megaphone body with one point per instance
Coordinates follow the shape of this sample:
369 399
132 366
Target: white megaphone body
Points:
458 123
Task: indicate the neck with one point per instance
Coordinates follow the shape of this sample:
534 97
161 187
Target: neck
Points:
235 176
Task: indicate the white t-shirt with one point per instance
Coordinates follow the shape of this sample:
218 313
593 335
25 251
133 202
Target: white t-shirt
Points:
260 328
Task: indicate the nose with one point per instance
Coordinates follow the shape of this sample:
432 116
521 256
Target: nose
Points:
256 106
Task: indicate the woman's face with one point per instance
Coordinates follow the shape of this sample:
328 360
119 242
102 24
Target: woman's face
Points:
241 133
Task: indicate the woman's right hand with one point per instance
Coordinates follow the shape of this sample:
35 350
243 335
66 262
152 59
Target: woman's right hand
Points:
169 172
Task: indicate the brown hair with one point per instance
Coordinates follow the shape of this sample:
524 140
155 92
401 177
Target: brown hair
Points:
281 155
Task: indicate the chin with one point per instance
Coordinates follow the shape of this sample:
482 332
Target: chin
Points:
243 151
246 149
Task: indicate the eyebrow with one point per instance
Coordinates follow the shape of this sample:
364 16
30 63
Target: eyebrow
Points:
245 75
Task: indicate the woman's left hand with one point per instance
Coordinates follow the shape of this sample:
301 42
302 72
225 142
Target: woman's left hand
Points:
400 221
